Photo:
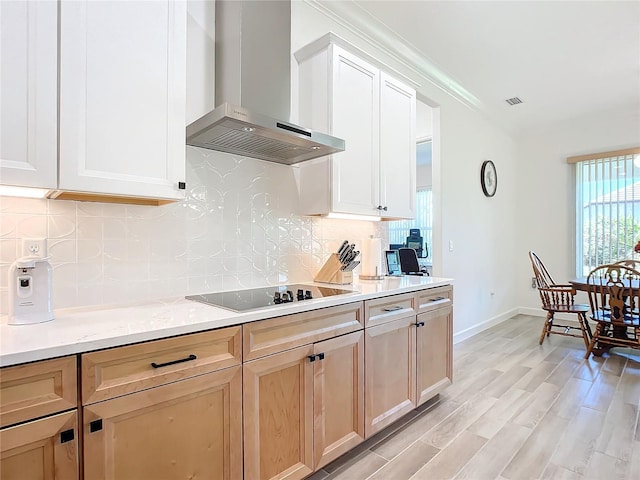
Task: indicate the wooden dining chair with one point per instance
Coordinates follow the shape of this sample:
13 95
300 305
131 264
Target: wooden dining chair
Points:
614 298
628 262
559 298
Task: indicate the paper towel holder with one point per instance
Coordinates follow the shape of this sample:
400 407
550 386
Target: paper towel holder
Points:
374 247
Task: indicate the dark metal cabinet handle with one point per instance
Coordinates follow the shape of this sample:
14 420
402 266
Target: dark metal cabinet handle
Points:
67 436
173 362
392 309
384 208
182 185
95 426
419 324
313 358
437 299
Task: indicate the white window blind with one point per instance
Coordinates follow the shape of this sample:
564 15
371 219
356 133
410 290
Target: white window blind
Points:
399 231
607 208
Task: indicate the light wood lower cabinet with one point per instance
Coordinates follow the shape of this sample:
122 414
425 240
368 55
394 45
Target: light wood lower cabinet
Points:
38 416
315 386
434 352
186 429
303 408
44 449
408 362
278 415
390 383
338 405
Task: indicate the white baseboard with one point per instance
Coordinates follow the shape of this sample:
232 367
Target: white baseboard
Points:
538 312
471 331
534 312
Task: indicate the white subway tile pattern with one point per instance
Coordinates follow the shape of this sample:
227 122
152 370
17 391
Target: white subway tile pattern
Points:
236 229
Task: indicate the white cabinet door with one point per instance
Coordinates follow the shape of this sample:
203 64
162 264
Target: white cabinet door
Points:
28 93
345 96
355 118
397 148
122 97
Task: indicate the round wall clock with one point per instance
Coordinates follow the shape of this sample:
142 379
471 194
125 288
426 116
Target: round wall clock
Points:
489 178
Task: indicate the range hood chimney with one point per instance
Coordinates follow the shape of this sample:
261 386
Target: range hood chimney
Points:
253 88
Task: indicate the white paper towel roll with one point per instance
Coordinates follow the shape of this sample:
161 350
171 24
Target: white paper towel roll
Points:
372 258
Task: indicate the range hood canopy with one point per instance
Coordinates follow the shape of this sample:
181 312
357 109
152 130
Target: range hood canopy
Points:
253 84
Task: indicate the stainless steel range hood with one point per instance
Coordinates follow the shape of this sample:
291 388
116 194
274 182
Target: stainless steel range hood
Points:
253 88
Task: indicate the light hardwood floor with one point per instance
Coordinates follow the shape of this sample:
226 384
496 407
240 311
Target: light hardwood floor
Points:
515 411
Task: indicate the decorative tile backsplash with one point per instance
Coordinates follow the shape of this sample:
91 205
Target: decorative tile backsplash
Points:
235 229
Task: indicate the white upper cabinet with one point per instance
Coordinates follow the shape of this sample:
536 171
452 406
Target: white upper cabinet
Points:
346 96
28 93
122 97
118 133
397 148
355 110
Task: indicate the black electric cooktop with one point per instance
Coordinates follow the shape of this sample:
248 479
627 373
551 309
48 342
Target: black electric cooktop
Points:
257 298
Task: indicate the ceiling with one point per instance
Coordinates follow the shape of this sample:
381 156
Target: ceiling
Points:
563 59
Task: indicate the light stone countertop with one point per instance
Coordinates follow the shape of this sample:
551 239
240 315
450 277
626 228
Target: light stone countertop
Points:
79 330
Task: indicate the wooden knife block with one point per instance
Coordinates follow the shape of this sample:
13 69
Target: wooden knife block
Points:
331 272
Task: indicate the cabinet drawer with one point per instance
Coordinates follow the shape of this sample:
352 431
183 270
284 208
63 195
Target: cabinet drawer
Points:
118 371
386 309
45 449
36 389
274 335
433 298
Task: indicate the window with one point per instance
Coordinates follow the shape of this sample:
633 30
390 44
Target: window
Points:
607 207
399 231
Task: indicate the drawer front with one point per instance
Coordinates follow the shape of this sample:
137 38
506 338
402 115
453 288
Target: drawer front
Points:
122 370
274 335
387 309
433 298
36 389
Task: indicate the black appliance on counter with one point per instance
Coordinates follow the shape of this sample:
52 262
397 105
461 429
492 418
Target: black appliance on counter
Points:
259 298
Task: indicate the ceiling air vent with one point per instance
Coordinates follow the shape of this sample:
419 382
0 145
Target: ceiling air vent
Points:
513 101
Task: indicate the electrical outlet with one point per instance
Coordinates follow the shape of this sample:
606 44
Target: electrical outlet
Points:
34 247
533 282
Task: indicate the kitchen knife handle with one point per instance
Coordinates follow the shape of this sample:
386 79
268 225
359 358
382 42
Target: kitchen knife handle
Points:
173 362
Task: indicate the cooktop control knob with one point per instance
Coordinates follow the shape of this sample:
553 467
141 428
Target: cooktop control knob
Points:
277 298
307 295
300 294
289 295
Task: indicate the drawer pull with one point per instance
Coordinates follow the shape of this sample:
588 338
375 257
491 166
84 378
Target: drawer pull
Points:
321 356
392 309
95 426
312 358
67 436
437 299
173 362
419 324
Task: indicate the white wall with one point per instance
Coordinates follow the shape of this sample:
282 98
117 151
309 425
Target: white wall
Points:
483 230
546 190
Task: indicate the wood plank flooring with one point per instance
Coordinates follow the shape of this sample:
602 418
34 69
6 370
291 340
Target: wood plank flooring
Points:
516 410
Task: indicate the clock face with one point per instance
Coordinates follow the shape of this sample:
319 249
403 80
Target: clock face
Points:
489 178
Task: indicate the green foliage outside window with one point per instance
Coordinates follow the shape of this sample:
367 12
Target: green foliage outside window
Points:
608 240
